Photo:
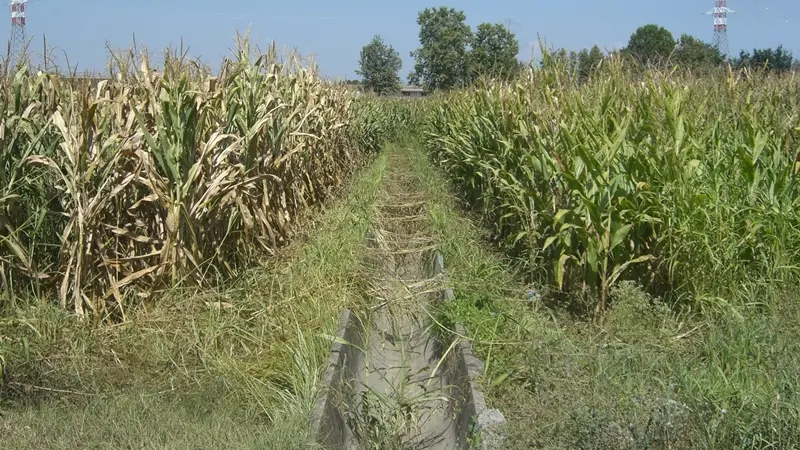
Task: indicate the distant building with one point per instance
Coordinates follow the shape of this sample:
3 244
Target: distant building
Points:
411 91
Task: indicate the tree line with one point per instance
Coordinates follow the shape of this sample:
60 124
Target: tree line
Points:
452 55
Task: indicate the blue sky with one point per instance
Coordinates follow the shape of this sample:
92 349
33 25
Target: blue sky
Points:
335 31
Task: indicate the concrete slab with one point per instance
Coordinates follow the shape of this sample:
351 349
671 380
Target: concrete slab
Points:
328 422
389 377
474 425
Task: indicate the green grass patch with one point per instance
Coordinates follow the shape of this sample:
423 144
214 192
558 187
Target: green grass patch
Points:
237 367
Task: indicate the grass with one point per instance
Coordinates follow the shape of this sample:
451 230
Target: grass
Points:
235 367
648 377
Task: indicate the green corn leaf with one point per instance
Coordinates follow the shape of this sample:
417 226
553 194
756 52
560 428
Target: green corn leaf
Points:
560 268
549 241
615 274
618 236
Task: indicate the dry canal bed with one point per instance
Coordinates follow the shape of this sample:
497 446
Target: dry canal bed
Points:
394 380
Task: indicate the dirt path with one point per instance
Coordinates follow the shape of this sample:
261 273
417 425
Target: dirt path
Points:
403 402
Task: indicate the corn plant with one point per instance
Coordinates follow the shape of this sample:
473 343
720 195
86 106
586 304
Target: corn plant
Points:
117 188
685 184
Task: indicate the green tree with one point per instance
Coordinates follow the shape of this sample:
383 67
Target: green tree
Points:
694 54
442 59
777 59
574 64
494 52
651 44
379 66
588 60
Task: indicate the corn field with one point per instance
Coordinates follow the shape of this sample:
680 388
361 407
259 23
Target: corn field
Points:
115 189
684 184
